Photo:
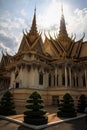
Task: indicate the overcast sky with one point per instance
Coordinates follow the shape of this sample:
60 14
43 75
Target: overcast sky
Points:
16 16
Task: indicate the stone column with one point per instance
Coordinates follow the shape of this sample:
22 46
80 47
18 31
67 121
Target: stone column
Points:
57 80
65 76
86 77
70 78
75 80
46 80
56 77
60 78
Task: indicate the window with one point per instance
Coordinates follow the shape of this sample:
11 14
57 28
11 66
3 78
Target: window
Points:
74 81
41 78
54 80
57 80
83 78
17 85
77 81
63 79
68 80
49 79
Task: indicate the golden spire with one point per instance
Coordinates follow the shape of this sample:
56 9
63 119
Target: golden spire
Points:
62 7
62 31
33 30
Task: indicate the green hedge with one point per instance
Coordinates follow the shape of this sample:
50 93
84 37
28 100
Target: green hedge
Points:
36 121
7 106
34 113
66 107
82 104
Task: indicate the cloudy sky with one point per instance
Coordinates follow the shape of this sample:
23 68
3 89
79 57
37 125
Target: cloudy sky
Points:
16 16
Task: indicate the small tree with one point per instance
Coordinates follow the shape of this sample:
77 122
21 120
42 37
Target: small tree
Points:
7 106
82 103
66 107
35 114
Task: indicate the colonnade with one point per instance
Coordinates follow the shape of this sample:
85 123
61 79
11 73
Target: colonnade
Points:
71 77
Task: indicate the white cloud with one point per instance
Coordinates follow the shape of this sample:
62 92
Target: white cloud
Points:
11 32
13 23
78 22
49 16
8 42
49 19
23 12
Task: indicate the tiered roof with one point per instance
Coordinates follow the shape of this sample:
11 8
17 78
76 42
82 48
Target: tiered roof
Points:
32 41
63 46
60 47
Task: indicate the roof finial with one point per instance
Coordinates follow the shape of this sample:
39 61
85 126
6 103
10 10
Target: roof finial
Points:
62 7
35 9
62 31
33 29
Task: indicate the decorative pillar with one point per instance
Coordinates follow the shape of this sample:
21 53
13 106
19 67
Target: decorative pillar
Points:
47 78
75 80
65 76
70 78
59 70
86 77
56 77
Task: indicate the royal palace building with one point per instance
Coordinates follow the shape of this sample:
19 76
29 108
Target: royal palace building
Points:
53 67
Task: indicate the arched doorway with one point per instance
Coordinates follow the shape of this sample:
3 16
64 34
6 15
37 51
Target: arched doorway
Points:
17 85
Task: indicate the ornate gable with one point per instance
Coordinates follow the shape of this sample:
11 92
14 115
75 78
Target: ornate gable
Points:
38 45
5 60
77 48
24 45
50 47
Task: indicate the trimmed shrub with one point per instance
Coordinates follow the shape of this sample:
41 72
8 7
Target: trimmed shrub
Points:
35 114
66 107
7 106
82 104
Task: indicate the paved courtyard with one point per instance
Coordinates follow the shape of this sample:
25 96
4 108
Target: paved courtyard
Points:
79 124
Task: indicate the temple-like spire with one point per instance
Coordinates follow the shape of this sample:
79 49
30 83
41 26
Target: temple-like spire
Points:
33 30
62 7
62 31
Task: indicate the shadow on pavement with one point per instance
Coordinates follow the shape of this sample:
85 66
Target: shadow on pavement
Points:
24 128
79 124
